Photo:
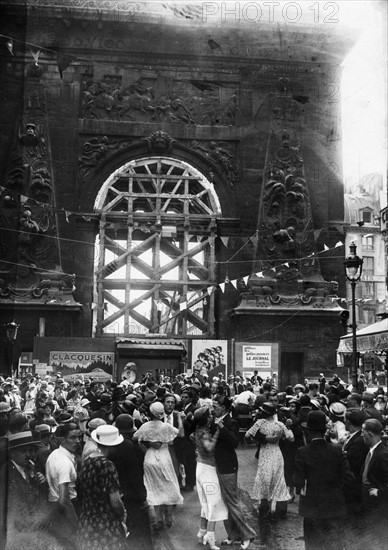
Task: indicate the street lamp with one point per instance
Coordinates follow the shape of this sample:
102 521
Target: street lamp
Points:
353 270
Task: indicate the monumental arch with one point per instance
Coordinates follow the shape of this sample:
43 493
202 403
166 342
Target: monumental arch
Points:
172 172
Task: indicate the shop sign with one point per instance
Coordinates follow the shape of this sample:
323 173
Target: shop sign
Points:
71 363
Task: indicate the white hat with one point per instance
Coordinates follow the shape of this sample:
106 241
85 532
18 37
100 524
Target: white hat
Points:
84 402
338 409
157 409
107 435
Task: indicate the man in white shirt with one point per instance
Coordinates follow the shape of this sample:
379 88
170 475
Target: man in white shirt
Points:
61 476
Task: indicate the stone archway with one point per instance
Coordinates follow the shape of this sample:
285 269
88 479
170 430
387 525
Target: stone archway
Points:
156 250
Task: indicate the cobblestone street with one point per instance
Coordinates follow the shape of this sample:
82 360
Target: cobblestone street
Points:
279 534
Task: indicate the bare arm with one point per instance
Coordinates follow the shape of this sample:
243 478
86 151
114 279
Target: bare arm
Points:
65 502
117 505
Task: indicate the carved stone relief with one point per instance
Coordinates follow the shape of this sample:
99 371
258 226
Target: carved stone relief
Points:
29 254
95 150
290 272
152 100
223 155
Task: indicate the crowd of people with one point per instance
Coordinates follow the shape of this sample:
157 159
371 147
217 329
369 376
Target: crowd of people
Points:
89 465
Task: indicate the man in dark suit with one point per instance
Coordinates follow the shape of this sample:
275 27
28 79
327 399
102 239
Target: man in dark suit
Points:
321 471
128 459
24 512
190 463
227 466
356 451
375 486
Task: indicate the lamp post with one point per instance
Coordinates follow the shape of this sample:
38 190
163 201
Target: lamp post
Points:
353 269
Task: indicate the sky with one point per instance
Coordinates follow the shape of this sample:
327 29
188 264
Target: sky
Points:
364 94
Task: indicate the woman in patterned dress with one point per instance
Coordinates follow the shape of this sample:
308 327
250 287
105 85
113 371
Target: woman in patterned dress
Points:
160 479
270 484
101 523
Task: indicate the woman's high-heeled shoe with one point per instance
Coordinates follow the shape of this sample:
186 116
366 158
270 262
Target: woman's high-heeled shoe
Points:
201 533
210 539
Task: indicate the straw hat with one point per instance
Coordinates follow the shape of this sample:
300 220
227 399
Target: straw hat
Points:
21 439
107 435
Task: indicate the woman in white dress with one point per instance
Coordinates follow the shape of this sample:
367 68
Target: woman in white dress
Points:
213 508
269 483
160 479
29 406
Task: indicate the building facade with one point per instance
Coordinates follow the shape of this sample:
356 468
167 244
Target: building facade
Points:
165 174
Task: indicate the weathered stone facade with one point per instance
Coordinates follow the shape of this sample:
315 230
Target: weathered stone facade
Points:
255 108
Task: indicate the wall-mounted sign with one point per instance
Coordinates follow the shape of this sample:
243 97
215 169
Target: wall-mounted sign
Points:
264 358
256 357
70 363
209 357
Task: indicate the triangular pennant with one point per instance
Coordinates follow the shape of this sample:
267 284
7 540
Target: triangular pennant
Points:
254 238
182 306
317 232
210 289
234 283
9 45
245 279
35 56
287 264
222 286
245 239
225 241
325 247
94 305
338 244
63 61
199 239
67 214
260 274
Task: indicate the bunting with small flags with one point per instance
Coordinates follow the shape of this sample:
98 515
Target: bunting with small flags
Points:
63 61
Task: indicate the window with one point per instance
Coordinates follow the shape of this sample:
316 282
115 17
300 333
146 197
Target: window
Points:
368 289
156 250
369 265
368 316
366 215
367 242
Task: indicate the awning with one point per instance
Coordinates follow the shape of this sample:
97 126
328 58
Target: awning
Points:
371 338
151 344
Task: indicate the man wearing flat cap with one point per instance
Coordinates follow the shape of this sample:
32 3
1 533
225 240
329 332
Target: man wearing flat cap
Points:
321 472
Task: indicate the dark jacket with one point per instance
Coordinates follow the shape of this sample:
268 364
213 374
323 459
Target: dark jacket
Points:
128 459
225 454
378 478
322 469
356 451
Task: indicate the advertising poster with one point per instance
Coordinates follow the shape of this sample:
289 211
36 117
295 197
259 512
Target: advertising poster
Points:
209 357
97 365
262 357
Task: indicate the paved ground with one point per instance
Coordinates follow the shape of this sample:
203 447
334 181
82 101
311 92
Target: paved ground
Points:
280 534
